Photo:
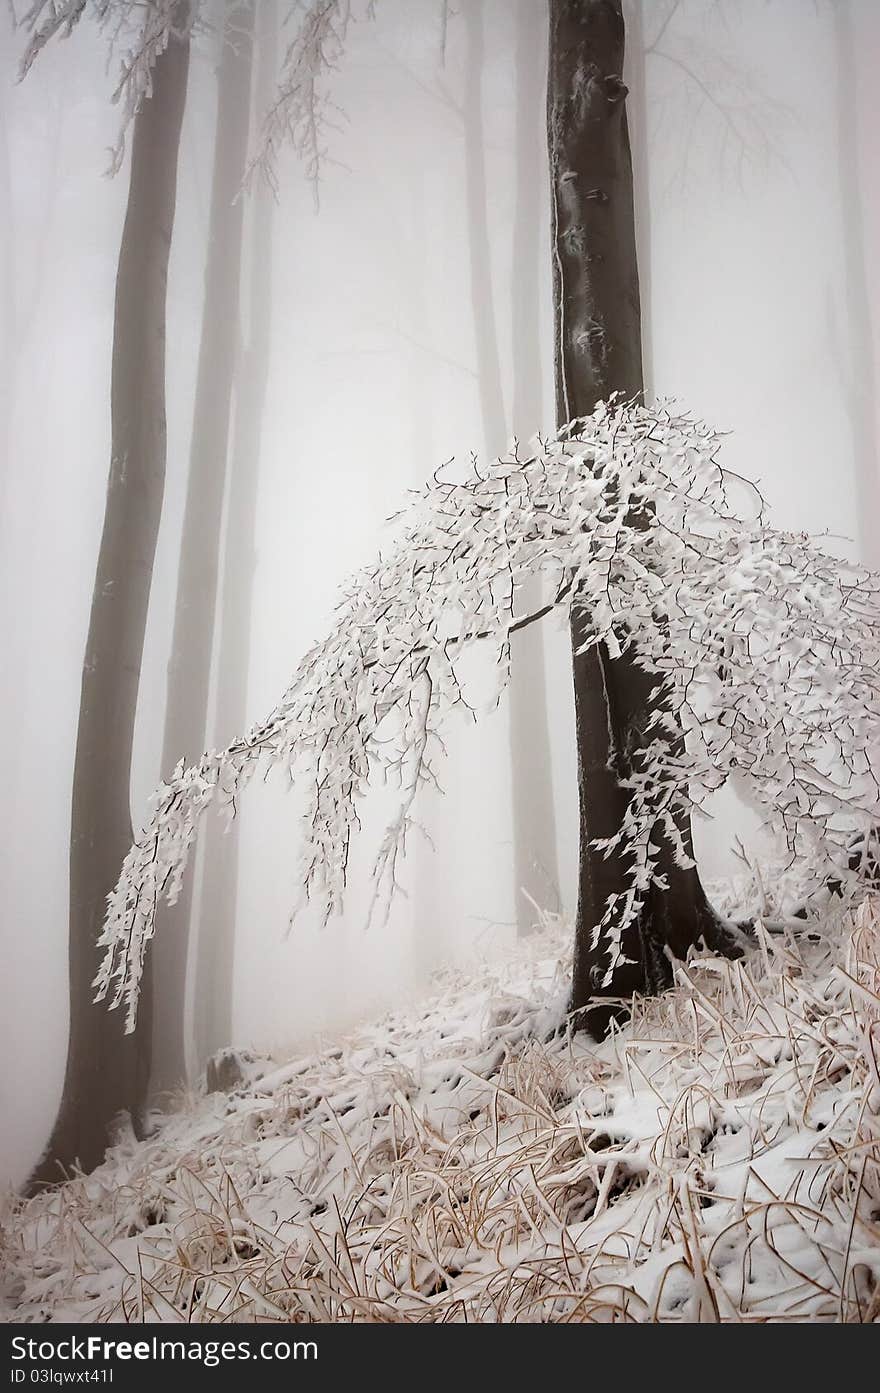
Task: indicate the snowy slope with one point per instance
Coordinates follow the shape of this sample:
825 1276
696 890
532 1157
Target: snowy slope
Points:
716 1160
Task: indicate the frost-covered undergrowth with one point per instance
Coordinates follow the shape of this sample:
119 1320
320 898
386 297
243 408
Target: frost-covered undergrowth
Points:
715 1160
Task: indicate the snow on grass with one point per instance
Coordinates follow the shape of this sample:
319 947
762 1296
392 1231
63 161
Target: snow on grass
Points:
717 1159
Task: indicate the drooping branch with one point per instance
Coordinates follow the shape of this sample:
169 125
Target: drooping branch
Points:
766 648
303 113
46 19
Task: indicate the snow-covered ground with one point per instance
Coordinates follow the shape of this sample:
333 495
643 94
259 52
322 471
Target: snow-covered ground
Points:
718 1159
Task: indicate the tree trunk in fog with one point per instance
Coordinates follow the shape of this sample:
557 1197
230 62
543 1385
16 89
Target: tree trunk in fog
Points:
637 111
598 351
7 300
534 832
106 1069
856 362
216 939
189 671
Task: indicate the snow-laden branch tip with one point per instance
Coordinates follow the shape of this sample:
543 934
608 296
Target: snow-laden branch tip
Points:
138 32
766 648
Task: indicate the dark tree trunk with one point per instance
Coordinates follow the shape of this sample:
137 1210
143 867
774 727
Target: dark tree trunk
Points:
216 939
534 832
106 1069
189 672
598 351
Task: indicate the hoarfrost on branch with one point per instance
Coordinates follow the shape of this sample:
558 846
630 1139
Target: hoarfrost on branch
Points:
139 30
765 650
301 111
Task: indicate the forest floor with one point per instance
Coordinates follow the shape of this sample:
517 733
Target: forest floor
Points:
716 1159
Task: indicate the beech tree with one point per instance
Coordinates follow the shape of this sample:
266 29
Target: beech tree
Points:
855 360
106 1072
216 939
707 646
599 352
296 114
627 518
189 669
107 1075
533 815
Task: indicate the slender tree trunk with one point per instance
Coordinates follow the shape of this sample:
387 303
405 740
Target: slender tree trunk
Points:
8 309
189 672
534 832
637 110
536 866
598 351
216 940
485 328
106 1069
857 359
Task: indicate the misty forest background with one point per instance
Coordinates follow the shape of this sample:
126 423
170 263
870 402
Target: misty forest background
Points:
402 317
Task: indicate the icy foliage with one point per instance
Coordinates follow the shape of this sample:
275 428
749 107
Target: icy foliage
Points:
766 647
715 1160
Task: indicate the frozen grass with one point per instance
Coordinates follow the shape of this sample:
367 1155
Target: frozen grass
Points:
717 1160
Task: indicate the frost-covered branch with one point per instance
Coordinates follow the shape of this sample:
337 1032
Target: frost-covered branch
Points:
748 119
302 112
46 18
766 648
139 32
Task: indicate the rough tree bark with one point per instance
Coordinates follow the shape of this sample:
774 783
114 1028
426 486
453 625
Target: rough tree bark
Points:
216 939
598 351
106 1069
534 832
189 671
